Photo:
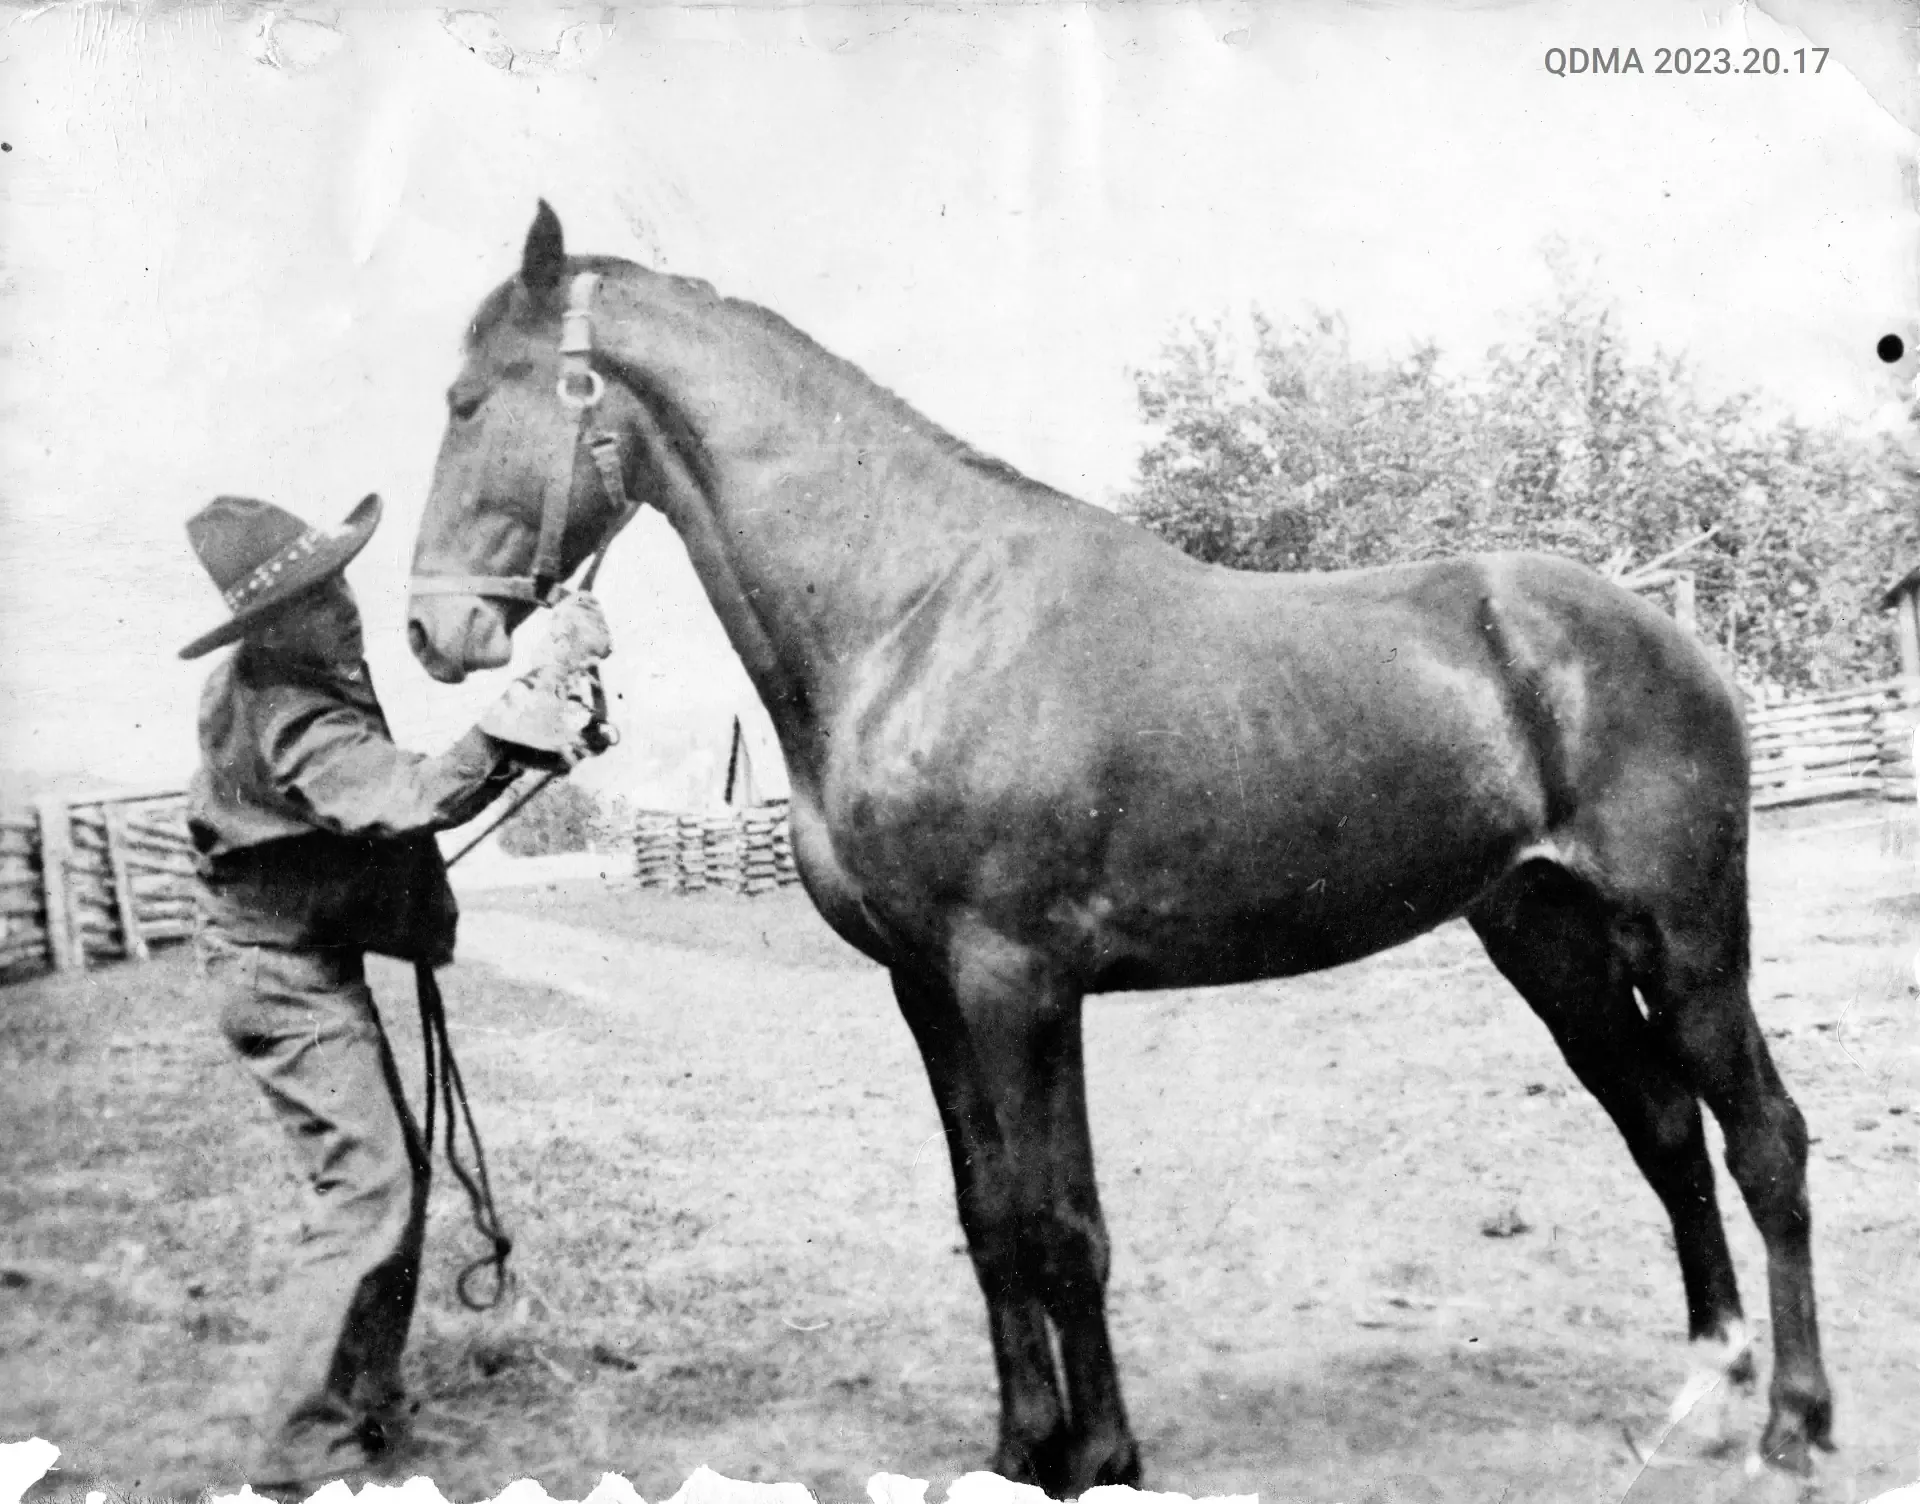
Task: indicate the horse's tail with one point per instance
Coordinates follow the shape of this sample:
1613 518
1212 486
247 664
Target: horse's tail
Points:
1521 671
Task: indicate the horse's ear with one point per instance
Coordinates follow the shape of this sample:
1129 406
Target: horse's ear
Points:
545 256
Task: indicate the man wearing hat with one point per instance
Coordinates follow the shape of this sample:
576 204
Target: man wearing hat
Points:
314 836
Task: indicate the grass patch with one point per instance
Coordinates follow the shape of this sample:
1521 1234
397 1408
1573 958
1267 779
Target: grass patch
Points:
781 928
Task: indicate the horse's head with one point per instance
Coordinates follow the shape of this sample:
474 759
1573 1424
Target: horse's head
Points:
517 501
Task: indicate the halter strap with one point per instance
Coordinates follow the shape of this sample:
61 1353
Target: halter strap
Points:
506 587
540 586
611 463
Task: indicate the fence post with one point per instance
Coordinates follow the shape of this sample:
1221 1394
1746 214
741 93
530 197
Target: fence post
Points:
56 845
115 816
1683 603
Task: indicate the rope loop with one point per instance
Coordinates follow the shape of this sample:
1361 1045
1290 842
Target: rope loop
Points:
445 1088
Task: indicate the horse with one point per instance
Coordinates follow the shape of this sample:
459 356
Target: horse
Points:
1035 753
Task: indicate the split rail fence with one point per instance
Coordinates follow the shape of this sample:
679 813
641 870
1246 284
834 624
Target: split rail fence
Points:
1845 744
95 879
109 877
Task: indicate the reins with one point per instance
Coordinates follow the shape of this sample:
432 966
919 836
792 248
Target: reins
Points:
580 389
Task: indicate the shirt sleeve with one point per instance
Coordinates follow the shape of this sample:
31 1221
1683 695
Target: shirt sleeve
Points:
339 766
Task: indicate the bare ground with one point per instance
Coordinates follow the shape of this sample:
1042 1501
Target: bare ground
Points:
718 1154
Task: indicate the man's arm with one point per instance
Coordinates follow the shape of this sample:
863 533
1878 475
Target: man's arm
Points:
337 763
348 777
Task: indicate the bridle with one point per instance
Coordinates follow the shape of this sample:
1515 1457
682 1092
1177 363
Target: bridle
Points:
580 389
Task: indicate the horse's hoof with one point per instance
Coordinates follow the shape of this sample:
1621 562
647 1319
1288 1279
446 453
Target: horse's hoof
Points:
1792 1434
1800 1418
1043 1462
1784 1454
1105 1460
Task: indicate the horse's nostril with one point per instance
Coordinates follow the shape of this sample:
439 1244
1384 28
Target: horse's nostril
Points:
417 640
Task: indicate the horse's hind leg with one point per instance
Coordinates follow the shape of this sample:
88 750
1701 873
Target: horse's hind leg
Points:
1555 940
1697 997
1002 1048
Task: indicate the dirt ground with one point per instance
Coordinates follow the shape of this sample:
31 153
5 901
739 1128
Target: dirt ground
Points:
717 1151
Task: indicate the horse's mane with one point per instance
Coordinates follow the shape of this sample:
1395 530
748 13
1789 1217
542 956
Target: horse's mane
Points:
897 407
494 308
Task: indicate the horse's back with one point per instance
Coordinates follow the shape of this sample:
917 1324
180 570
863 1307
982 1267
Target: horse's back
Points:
1579 658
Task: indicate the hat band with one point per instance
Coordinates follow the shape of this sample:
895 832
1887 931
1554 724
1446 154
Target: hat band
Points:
265 577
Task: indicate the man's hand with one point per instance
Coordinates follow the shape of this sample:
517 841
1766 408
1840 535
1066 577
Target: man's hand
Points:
577 638
542 716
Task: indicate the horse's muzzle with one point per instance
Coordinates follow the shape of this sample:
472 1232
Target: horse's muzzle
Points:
454 635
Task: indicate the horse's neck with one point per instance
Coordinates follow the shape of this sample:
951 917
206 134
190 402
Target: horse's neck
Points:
821 514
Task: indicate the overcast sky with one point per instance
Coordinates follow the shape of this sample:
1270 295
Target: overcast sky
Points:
239 252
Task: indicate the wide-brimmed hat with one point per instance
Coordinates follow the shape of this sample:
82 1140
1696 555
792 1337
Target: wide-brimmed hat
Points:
261 557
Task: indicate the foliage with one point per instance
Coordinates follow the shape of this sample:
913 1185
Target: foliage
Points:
561 817
1298 454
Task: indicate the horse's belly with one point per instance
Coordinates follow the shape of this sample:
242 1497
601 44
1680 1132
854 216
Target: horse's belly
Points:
1285 942
1295 907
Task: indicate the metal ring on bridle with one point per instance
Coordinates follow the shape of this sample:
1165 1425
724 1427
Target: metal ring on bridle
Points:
578 401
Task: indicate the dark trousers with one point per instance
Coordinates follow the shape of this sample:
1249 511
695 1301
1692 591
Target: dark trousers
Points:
305 1027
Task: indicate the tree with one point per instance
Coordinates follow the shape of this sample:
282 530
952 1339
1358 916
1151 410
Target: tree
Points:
1301 456
1297 454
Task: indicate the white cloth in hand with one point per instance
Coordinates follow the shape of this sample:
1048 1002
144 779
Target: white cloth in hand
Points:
539 713
577 638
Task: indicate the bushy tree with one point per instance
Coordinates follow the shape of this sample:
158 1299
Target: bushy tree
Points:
562 817
1294 453
1300 456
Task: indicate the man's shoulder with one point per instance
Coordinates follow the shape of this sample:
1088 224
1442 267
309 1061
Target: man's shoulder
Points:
297 686
279 708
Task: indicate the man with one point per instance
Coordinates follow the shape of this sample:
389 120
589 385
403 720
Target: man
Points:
314 840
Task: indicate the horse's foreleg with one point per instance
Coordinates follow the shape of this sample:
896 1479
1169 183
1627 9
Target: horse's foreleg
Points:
1073 1235
1033 1426
1003 1049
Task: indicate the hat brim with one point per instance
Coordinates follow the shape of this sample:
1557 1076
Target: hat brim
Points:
316 569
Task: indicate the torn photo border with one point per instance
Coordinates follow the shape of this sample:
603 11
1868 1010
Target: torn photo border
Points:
23 1464
302 47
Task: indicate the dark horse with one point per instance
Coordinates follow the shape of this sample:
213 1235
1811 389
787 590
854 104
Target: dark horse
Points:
1035 752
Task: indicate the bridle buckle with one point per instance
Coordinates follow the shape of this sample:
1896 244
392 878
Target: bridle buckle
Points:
575 400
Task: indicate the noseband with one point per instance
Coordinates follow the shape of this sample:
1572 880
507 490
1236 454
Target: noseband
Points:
580 389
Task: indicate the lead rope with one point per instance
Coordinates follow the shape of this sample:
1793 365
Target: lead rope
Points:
445 1086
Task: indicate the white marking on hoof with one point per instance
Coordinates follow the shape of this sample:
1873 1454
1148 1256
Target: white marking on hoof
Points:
1702 1398
1698 1414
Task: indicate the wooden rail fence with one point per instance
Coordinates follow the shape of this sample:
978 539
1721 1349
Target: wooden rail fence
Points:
108 877
95 879
1846 744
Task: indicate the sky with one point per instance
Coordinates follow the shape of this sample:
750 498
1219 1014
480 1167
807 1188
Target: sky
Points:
239 248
